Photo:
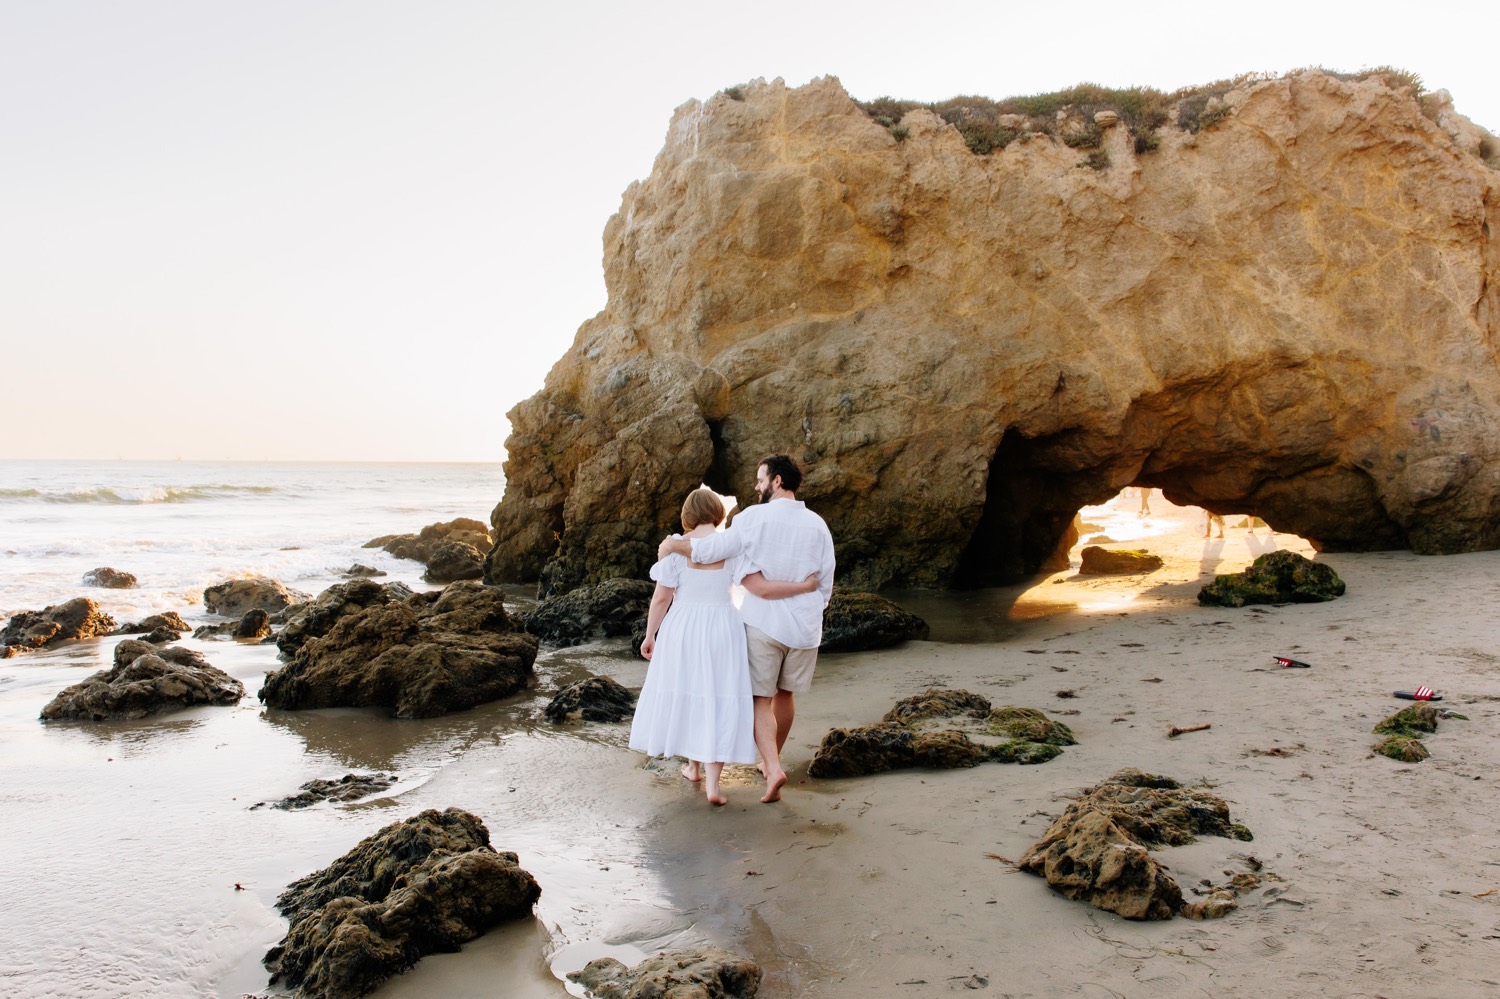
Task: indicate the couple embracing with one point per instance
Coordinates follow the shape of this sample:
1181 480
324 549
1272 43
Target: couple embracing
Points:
722 682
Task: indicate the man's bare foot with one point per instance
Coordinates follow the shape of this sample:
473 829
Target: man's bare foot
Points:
691 772
773 788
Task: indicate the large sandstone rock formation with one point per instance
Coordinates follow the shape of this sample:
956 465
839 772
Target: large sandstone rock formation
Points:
1291 312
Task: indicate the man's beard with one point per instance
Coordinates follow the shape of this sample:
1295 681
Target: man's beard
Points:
763 495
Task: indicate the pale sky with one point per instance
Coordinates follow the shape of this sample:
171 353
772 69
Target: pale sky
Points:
364 229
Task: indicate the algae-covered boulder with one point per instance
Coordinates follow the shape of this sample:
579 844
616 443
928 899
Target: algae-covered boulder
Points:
1098 849
1118 562
1416 719
1402 731
427 884
1030 725
599 698
1279 577
857 622
709 973
1403 748
941 729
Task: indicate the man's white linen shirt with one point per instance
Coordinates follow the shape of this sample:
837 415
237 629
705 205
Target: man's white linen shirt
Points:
786 541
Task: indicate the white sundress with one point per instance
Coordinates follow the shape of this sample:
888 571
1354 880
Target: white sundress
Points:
696 700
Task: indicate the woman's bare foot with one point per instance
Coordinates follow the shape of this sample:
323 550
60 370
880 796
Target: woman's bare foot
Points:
711 786
691 771
773 787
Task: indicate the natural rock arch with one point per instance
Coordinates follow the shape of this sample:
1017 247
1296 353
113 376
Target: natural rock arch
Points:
1290 313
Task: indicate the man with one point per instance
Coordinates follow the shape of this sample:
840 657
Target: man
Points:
788 542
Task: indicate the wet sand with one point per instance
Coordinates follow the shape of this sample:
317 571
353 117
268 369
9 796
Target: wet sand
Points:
125 843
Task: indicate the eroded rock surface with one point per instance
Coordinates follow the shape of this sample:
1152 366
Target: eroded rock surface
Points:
1098 849
79 618
1117 562
350 787
707 973
612 607
423 545
317 617
857 622
427 655
113 579
1286 310
1279 577
428 884
599 698
942 729
454 561
145 681
235 597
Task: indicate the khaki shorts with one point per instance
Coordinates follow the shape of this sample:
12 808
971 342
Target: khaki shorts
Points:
774 666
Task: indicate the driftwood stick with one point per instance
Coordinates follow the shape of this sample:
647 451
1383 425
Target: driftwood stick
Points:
1176 731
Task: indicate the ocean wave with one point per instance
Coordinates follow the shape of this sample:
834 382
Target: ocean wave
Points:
133 496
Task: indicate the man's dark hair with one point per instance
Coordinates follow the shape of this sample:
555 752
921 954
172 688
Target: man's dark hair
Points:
785 466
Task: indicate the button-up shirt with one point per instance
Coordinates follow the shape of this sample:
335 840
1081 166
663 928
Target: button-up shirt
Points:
785 541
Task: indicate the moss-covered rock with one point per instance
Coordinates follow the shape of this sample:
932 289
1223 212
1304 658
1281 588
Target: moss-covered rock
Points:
941 729
935 703
1418 719
1030 725
1404 748
1025 752
1098 849
857 622
1279 577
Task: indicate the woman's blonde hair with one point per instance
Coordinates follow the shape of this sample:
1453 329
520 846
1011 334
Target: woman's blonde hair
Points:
702 506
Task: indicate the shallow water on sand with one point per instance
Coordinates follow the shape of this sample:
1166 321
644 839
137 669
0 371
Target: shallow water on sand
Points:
136 865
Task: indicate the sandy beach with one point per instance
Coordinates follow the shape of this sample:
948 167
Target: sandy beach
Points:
155 877
892 885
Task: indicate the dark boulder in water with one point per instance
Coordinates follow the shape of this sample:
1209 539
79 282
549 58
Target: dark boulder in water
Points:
599 698
707 973
428 655
1279 577
856 622
113 579
145 681
425 885
603 610
454 561
79 618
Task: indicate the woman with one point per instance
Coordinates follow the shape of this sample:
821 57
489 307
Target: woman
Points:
696 699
